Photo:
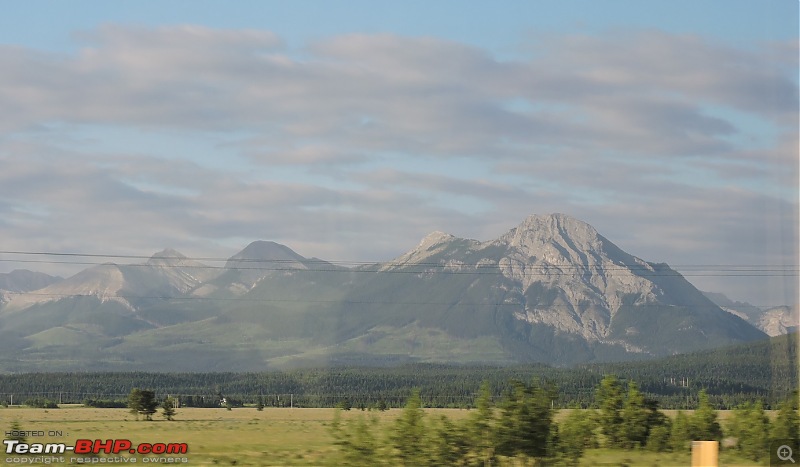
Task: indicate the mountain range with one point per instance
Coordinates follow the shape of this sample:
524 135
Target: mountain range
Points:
550 290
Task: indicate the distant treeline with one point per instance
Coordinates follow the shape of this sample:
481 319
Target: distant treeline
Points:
765 370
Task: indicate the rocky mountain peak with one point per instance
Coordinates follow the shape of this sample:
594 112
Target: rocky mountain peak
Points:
537 231
432 244
434 238
551 289
262 250
169 253
167 256
260 258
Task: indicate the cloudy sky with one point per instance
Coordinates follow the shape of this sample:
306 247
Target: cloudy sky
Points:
349 130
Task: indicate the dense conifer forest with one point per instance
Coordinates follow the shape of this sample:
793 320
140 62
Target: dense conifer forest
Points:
765 371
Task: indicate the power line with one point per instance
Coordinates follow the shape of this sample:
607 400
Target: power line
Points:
181 298
396 267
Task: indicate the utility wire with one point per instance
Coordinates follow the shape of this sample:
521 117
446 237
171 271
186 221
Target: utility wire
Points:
185 298
654 269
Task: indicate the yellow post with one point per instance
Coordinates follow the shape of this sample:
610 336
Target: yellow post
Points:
705 453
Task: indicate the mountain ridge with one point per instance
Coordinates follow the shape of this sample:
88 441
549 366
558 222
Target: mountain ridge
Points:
551 289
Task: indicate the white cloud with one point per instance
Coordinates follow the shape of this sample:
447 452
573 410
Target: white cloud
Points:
357 145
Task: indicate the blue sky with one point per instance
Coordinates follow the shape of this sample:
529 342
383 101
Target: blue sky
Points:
349 130
497 26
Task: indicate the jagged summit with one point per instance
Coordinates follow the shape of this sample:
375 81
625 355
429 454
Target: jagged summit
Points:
536 230
434 238
562 273
179 271
433 244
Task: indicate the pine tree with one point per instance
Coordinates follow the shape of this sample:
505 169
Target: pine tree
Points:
525 421
344 404
659 438
611 400
142 402
681 433
409 433
634 419
356 439
704 424
480 426
576 433
448 443
750 426
787 423
135 401
168 408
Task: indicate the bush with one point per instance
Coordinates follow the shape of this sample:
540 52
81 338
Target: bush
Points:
41 403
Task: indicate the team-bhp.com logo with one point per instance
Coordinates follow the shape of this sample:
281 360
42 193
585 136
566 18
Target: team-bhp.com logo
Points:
88 446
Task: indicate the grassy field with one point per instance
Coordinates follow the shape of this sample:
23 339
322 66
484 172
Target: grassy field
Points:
245 436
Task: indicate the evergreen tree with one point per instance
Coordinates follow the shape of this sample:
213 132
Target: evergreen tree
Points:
142 402
681 433
135 401
634 419
787 423
576 433
480 426
168 408
409 434
260 403
611 401
344 404
357 440
448 443
525 420
659 438
750 426
704 425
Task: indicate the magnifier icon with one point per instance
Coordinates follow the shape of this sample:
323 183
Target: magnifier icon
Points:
785 453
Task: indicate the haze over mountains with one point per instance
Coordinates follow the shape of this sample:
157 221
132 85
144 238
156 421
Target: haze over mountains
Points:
550 290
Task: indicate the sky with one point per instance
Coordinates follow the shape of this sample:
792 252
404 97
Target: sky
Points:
349 130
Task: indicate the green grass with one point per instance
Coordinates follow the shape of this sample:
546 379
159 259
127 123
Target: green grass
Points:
272 437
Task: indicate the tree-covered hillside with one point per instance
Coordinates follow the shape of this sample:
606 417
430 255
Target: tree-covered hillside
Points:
764 370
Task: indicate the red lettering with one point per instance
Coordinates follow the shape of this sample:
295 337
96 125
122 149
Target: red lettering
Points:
106 446
121 445
83 446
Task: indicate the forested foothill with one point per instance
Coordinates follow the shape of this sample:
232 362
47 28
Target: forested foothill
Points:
766 371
